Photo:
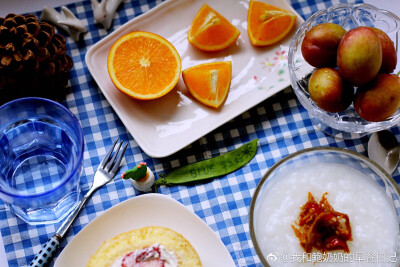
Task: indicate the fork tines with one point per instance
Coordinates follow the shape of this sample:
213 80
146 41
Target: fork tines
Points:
111 161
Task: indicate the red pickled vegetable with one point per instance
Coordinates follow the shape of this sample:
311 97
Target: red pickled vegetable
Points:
319 226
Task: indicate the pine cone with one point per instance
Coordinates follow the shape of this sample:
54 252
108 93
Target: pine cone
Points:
32 59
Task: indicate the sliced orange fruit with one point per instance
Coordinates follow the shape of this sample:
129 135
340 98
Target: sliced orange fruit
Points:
209 83
210 31
144 65
268 24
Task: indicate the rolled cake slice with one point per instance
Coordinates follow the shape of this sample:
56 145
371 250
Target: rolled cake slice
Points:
148 246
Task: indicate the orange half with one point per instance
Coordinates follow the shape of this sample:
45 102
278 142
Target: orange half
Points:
210 31
144 65
209 83
268 24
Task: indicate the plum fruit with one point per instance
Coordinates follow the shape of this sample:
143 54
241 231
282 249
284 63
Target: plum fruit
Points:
320 44
329 91
389 55
359 55
378 99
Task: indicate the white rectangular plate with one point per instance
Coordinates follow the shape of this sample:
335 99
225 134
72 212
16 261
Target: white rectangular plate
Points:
142 211
163 126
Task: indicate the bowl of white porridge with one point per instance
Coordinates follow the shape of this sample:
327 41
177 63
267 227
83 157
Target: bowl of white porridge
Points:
359 196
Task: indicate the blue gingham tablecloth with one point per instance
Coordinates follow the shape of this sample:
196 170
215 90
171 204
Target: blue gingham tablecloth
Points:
281 124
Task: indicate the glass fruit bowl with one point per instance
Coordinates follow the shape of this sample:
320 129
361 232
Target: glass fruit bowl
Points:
355 185
346 124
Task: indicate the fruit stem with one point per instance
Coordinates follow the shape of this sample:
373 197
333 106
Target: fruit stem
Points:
398 73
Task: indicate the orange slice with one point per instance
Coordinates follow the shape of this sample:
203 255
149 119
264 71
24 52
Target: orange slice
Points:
268 24
144 65
209 83
210 31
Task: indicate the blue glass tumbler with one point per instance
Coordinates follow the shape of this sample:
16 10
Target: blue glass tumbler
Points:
41 155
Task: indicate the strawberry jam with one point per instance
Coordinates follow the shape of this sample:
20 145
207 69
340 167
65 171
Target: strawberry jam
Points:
153 256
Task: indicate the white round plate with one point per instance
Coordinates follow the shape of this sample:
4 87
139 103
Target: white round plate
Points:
140 211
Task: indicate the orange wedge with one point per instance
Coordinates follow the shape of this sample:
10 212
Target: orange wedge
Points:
210 31
268 24
209 83
144 65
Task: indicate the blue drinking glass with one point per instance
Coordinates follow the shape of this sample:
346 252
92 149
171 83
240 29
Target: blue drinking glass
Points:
41 155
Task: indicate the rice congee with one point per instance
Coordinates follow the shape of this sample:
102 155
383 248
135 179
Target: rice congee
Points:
373 218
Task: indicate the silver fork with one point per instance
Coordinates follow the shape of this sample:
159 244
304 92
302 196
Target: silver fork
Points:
104 174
